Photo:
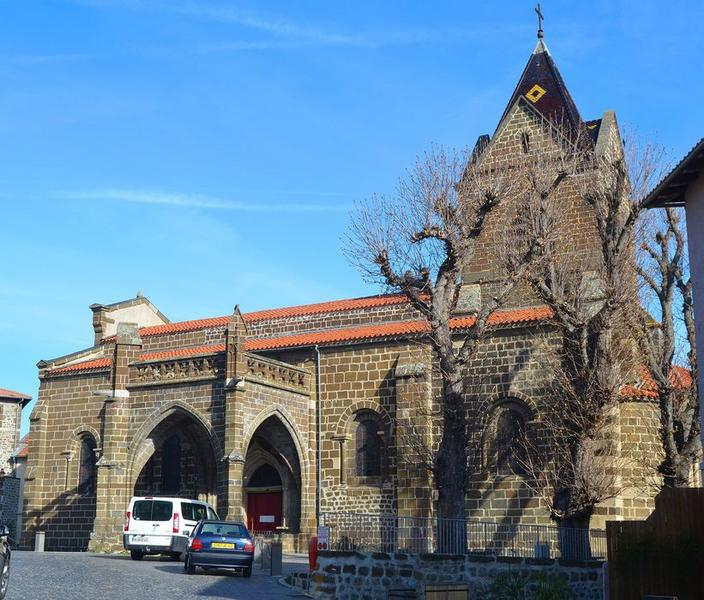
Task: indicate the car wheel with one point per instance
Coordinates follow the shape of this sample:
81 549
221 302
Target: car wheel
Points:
247 572
136 554
4 578
188 566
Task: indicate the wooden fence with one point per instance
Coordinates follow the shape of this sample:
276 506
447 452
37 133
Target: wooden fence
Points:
663 555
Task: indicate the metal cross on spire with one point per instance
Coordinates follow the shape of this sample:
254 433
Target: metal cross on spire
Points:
540 21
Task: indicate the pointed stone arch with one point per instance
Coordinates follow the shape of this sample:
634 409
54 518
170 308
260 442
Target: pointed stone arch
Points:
287 421
273 439
177 418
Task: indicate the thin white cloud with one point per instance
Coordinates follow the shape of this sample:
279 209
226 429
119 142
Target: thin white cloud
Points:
288 32
41 59
197 201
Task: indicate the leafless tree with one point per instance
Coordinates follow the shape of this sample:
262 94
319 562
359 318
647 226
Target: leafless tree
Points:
593 294
418 242
668 290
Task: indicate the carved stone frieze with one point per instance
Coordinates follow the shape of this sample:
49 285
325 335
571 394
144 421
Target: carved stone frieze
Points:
277 374
182 369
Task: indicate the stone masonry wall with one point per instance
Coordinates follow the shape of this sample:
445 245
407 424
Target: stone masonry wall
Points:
147 411
10 414
354 379
10 488
66 407
575 225
357 576
510 366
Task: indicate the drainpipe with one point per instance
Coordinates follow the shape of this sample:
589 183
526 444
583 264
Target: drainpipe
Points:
318 418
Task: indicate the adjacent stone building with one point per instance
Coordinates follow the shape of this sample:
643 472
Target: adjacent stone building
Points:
11 485
275 415
11 405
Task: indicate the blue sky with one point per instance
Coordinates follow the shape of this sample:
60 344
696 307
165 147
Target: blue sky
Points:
208 153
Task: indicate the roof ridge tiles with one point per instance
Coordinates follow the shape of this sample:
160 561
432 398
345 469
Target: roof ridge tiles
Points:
5 393
333 336
332 306
86 365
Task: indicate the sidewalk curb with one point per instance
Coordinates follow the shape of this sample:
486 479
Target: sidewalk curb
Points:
282 581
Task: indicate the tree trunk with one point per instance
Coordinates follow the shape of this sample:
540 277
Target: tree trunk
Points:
451 471
574 536
677 472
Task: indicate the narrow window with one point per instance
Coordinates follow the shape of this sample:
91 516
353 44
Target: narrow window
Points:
87 470
525 142
368 448
510 428
171 465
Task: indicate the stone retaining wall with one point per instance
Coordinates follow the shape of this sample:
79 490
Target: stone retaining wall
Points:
353 575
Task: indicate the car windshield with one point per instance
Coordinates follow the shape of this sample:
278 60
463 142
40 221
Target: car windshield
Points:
224 529
152 510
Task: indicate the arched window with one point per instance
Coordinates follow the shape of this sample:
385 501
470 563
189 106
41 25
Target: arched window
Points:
507 448
171 465
368 446
87 469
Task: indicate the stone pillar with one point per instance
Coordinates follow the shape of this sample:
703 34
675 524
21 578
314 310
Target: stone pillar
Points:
232 469
113 489
413 430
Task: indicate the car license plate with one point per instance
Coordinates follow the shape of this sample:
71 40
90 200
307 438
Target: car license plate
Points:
222 545
149 539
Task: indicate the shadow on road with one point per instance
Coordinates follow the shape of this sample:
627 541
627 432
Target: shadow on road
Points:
155 558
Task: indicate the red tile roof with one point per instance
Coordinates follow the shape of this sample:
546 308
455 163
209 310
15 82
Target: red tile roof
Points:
507 317
23 447
395 329
680 377
275 313
181 327
87 365
180 352
330 336
4 393
327 307
334 336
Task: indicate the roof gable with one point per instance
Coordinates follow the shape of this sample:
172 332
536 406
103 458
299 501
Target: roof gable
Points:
541 86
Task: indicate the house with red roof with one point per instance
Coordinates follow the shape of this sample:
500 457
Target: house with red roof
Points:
11 405
683 186
279 417
11 473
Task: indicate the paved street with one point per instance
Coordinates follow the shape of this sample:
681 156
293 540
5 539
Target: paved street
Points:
80 576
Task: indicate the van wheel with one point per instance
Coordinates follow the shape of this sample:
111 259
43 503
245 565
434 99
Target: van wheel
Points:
136 554
247 572
175 555
189 567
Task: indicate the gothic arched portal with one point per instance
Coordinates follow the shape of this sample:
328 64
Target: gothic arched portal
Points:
272 478
176 458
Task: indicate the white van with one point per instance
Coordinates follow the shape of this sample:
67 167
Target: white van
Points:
156 525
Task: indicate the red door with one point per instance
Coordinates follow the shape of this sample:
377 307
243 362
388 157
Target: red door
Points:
264 510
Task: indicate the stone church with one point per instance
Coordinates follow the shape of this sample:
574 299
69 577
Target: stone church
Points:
294 411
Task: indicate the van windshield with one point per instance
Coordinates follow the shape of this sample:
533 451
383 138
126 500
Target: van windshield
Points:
192 511
152 510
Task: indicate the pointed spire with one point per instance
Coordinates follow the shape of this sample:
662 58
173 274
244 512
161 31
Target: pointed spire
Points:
542 88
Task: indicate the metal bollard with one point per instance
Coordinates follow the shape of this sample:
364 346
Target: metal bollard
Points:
265 555
39 541
277 556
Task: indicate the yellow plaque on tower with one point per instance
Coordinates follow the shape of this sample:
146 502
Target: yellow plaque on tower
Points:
535 93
